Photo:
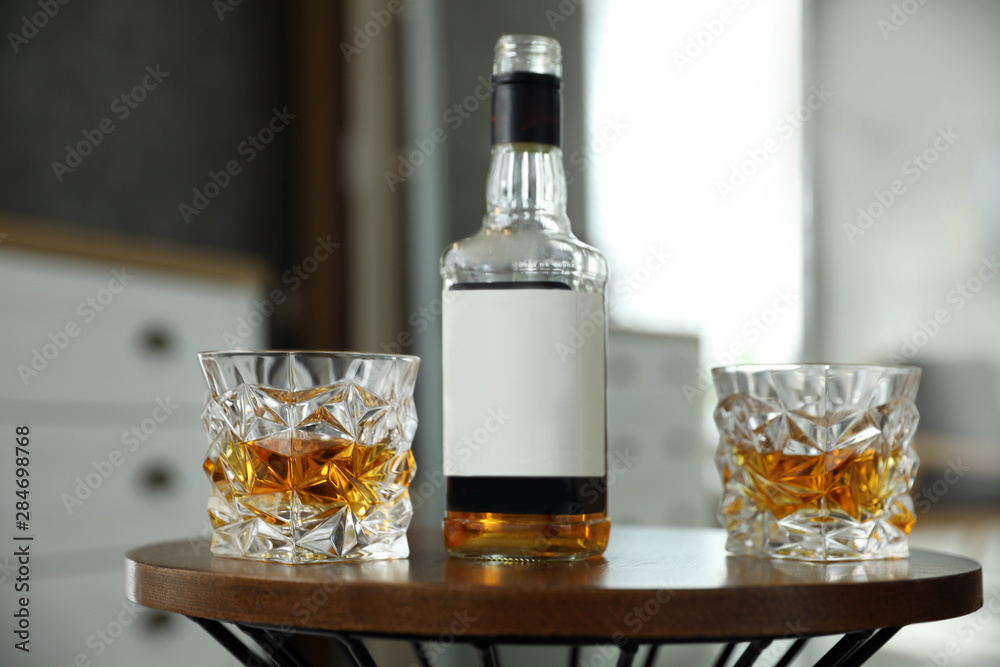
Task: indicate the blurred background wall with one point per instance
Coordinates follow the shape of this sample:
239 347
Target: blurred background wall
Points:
219 81
771 181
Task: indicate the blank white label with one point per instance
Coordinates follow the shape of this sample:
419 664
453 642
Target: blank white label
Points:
524 391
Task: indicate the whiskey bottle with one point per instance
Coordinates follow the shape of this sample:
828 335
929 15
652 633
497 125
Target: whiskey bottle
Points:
524 327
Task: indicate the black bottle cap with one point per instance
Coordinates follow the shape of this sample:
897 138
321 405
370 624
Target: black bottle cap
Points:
527 108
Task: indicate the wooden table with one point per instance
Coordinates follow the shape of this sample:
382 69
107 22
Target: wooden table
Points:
653 586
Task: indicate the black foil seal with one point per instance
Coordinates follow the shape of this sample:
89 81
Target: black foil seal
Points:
527 108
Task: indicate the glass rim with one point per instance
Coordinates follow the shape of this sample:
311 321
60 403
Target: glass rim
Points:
901 369
318 354
526 38
524 52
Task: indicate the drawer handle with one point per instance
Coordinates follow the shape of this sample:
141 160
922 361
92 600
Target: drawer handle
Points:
157 478
157 341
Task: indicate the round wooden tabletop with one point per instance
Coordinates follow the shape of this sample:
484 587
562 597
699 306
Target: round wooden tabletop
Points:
666 584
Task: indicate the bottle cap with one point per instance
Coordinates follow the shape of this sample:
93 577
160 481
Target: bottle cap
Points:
527 53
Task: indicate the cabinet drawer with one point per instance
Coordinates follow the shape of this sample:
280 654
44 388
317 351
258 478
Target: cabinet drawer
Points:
77 330
84 496
653 432
88 615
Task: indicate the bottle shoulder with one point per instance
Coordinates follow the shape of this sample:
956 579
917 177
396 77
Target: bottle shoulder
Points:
522 254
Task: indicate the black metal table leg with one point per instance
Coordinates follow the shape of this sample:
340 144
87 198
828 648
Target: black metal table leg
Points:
843 649
229 641
418 651
792 651
724 656
626 654
288 650
852 650
275 646
752 652
488 655
869 648
357 649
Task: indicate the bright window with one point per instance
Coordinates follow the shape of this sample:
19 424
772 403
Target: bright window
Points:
696 115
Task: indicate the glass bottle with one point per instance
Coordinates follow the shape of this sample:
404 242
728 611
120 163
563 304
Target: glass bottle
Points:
524 328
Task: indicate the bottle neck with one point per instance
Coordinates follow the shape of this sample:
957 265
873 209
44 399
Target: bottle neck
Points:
526 188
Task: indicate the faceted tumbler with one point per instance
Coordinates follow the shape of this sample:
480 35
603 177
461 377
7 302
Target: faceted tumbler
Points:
817 460
309 454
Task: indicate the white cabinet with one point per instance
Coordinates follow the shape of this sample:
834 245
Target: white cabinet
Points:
656 457
81 500
113 400
68 336
87 614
